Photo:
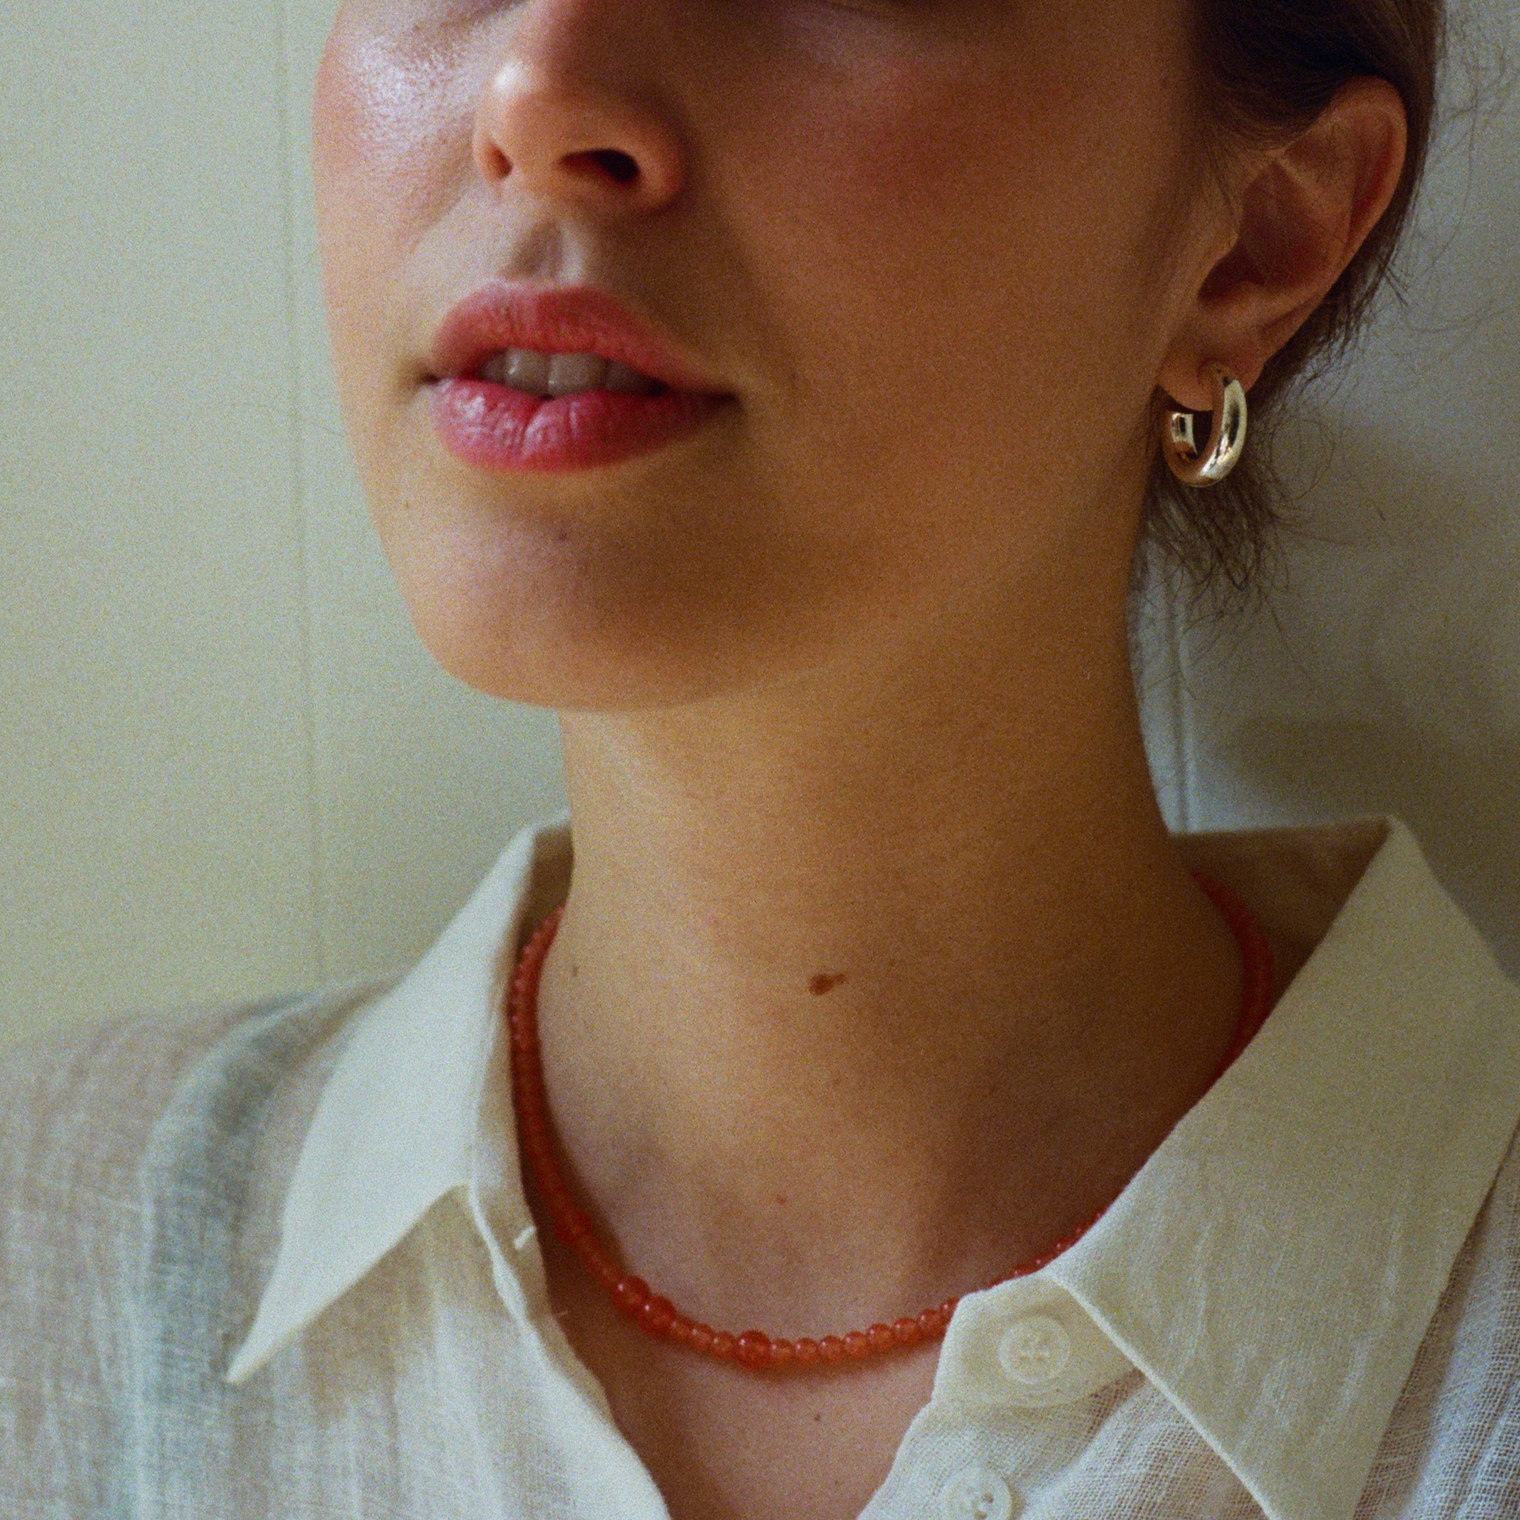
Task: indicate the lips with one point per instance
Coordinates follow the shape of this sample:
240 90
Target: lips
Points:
498 428
499 316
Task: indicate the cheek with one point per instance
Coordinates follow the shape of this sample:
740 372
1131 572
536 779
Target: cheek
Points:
389 123
390 137
960 240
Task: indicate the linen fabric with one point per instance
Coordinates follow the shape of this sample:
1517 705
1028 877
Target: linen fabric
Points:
274 1262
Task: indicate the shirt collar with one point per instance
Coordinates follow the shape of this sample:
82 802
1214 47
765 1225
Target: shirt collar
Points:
1271 1269
398 1122
1330 1179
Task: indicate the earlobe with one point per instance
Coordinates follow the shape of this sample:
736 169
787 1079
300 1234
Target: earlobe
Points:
1305 210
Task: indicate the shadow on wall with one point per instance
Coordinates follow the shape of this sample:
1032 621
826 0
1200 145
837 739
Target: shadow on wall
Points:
1382 672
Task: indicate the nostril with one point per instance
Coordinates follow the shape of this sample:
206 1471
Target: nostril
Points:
616 165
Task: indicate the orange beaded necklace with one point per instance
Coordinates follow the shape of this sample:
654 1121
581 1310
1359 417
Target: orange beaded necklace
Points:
755 1349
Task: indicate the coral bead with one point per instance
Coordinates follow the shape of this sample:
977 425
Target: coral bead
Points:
753 1348
806 1352
630 1295
657 1315
831 1349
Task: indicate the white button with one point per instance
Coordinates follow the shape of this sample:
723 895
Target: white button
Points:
980 1357
1034 1351
977 1494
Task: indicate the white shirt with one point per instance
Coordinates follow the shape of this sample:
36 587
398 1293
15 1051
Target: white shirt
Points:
276 1262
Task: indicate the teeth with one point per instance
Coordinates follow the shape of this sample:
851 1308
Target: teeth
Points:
569 373
552 375
527 371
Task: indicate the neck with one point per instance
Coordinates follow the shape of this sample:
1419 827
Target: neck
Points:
858 1000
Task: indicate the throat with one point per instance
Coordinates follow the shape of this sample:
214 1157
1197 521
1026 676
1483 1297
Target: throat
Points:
821 1161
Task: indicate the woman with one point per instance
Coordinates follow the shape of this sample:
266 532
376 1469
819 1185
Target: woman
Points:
778 391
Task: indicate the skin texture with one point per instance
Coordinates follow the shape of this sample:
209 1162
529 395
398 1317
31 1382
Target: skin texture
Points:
879 969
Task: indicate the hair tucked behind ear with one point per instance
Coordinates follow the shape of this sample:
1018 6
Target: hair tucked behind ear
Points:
1266 69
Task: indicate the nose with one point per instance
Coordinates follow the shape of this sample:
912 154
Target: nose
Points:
562 118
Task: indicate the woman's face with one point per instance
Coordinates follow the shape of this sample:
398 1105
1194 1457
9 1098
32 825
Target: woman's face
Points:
929 254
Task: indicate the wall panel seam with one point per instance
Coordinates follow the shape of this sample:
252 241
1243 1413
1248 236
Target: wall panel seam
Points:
297 504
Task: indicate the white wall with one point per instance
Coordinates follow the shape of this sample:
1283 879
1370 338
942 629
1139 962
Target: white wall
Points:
228 768
226 765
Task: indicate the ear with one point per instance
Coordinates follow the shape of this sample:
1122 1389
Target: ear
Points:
1305 209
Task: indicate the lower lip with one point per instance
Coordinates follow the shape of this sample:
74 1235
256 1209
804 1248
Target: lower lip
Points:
497 428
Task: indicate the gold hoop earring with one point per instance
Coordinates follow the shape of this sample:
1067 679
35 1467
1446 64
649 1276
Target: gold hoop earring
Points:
1227 437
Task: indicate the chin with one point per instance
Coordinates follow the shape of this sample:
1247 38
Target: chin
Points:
626 600
571 677
576 643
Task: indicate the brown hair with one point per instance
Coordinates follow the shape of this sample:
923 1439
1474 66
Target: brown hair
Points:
1266 69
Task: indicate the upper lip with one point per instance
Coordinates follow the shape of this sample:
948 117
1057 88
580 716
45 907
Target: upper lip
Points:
556 320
